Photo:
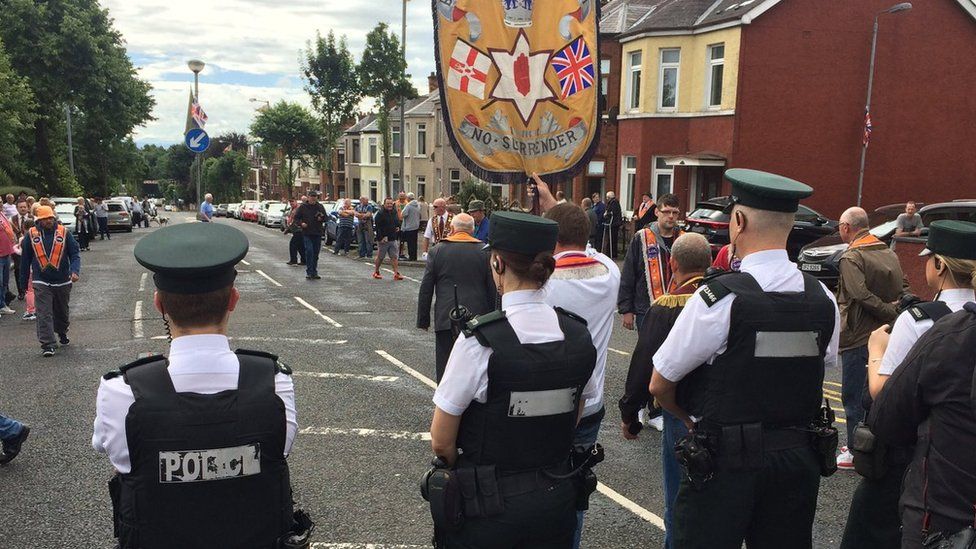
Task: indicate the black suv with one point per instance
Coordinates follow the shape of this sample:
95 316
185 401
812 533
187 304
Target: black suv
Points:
709 219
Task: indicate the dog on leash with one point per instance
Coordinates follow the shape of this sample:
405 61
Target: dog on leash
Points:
161 220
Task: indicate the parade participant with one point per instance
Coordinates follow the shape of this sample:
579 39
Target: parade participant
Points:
613 219
12 436
51 260
364 229
646 212
929 400
296 244
757 342
387 235
646 274
529 357
310 218
206 209
724 260
438 226
584 283
868 289
874 519
476 208
458 273
690 258
158 419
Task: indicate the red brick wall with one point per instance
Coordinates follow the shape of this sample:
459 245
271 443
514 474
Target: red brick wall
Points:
802 85
607 146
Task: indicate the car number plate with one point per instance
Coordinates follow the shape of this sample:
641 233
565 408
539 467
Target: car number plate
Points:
815 267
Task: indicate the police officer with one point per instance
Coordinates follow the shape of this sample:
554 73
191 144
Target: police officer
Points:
925 374
199 439
507 407
754 345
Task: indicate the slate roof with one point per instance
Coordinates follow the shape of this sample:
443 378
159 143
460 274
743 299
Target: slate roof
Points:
619 15
673 15
424 106
361 123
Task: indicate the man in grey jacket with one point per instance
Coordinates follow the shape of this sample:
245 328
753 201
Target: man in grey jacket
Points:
410 225
460 263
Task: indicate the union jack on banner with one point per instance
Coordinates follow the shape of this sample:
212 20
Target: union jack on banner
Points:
867 128
574 67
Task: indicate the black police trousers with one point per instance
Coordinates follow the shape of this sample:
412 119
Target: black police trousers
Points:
874 521
769 508
542 519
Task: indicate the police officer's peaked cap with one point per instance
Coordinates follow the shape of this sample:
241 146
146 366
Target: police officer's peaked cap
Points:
192 258
766 191
955 239
522 233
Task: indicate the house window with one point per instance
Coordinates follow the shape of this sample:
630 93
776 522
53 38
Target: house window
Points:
662 181
421 139
356 187
634 80
373 190
340 161
628 184
604 81
668 90
396 182
455 182
421 186
496 191
395 141
355 151
406 143
716 74
372 150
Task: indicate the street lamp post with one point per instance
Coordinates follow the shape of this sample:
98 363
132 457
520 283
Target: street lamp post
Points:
197 66
403 128
904 6
262 108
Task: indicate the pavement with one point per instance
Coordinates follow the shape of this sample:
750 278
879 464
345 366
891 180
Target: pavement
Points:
363 377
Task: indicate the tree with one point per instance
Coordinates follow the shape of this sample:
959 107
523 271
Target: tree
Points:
233 141
291 129
476 190
382 76
330 76
16 122
223 177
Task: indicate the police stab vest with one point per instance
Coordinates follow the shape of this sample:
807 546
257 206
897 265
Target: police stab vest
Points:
534 390
207 470
773 367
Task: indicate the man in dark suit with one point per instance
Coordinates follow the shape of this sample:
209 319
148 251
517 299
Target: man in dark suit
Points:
646 212
458 262
612 220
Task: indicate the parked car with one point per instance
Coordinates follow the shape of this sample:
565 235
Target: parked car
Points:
821 258
249 210
275 215
710 220
220 210
332 223
118 216
232 209
168 208
908 247
263 210
65 212
64 200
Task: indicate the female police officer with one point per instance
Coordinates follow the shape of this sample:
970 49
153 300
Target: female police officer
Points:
507 407
874 516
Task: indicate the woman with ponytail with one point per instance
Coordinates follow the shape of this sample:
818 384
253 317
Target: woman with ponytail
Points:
508 404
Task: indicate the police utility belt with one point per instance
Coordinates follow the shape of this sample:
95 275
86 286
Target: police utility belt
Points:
479 491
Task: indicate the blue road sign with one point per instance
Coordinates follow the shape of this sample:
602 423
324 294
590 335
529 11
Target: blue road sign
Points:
197 140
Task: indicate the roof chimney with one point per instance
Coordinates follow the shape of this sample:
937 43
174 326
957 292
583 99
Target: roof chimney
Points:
432 82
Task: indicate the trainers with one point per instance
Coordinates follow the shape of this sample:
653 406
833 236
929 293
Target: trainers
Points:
7 311
845 460
47 352
397 276
643 417
63 339
11 446
291 263
657 423
29 316
377 276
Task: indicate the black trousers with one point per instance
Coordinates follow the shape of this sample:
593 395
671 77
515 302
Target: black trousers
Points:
543 519
411 239
770 508
103 228
443 343
874 521
296 248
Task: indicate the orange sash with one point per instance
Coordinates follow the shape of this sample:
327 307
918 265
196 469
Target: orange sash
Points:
654 271
461 237
866 240
643 209
60 235
575 261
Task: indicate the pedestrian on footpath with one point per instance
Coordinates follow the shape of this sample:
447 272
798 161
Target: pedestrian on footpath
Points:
206 209
52 260
199 440
310 218
9 206
457 272
870 284
8 241
20 222
138 214
410 226
476 208
296 244
12 436
425 210
365 235
82 230
344 229
387 234
101 217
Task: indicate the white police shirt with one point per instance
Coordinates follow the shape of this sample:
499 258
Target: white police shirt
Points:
594 299
701 333
466 374
906 330
202 364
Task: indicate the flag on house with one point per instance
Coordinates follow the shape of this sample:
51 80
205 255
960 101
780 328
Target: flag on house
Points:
868 128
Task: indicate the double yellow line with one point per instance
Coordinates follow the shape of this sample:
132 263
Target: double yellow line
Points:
831 391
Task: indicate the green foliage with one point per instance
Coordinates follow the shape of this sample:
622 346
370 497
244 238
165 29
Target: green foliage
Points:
232 140
476 190
294 131
224 177
16 190
16 123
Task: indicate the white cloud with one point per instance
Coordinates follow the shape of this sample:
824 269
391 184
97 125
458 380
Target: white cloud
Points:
251 48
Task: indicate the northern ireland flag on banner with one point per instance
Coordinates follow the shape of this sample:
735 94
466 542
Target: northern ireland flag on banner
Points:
468 69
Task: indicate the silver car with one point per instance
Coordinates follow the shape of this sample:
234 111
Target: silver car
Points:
275 214
118 216
65 213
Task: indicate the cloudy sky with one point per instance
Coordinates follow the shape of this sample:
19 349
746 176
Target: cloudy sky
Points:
252 50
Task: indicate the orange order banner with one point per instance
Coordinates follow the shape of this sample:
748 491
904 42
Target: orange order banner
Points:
520 85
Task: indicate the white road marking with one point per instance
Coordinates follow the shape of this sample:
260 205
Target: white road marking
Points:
246 263
316 311
331 375
137 332
142 282
417 375
273 281
619 352
602 488
403 275
395 435
323 545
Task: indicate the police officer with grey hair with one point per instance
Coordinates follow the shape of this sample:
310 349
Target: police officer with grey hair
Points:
751 347
199 440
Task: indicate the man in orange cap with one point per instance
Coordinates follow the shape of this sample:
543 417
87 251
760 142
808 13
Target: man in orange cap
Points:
51 253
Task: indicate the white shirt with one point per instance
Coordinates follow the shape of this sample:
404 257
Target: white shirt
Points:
701 333
594 299
202 364
9 210
429 231
466 374
906 330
